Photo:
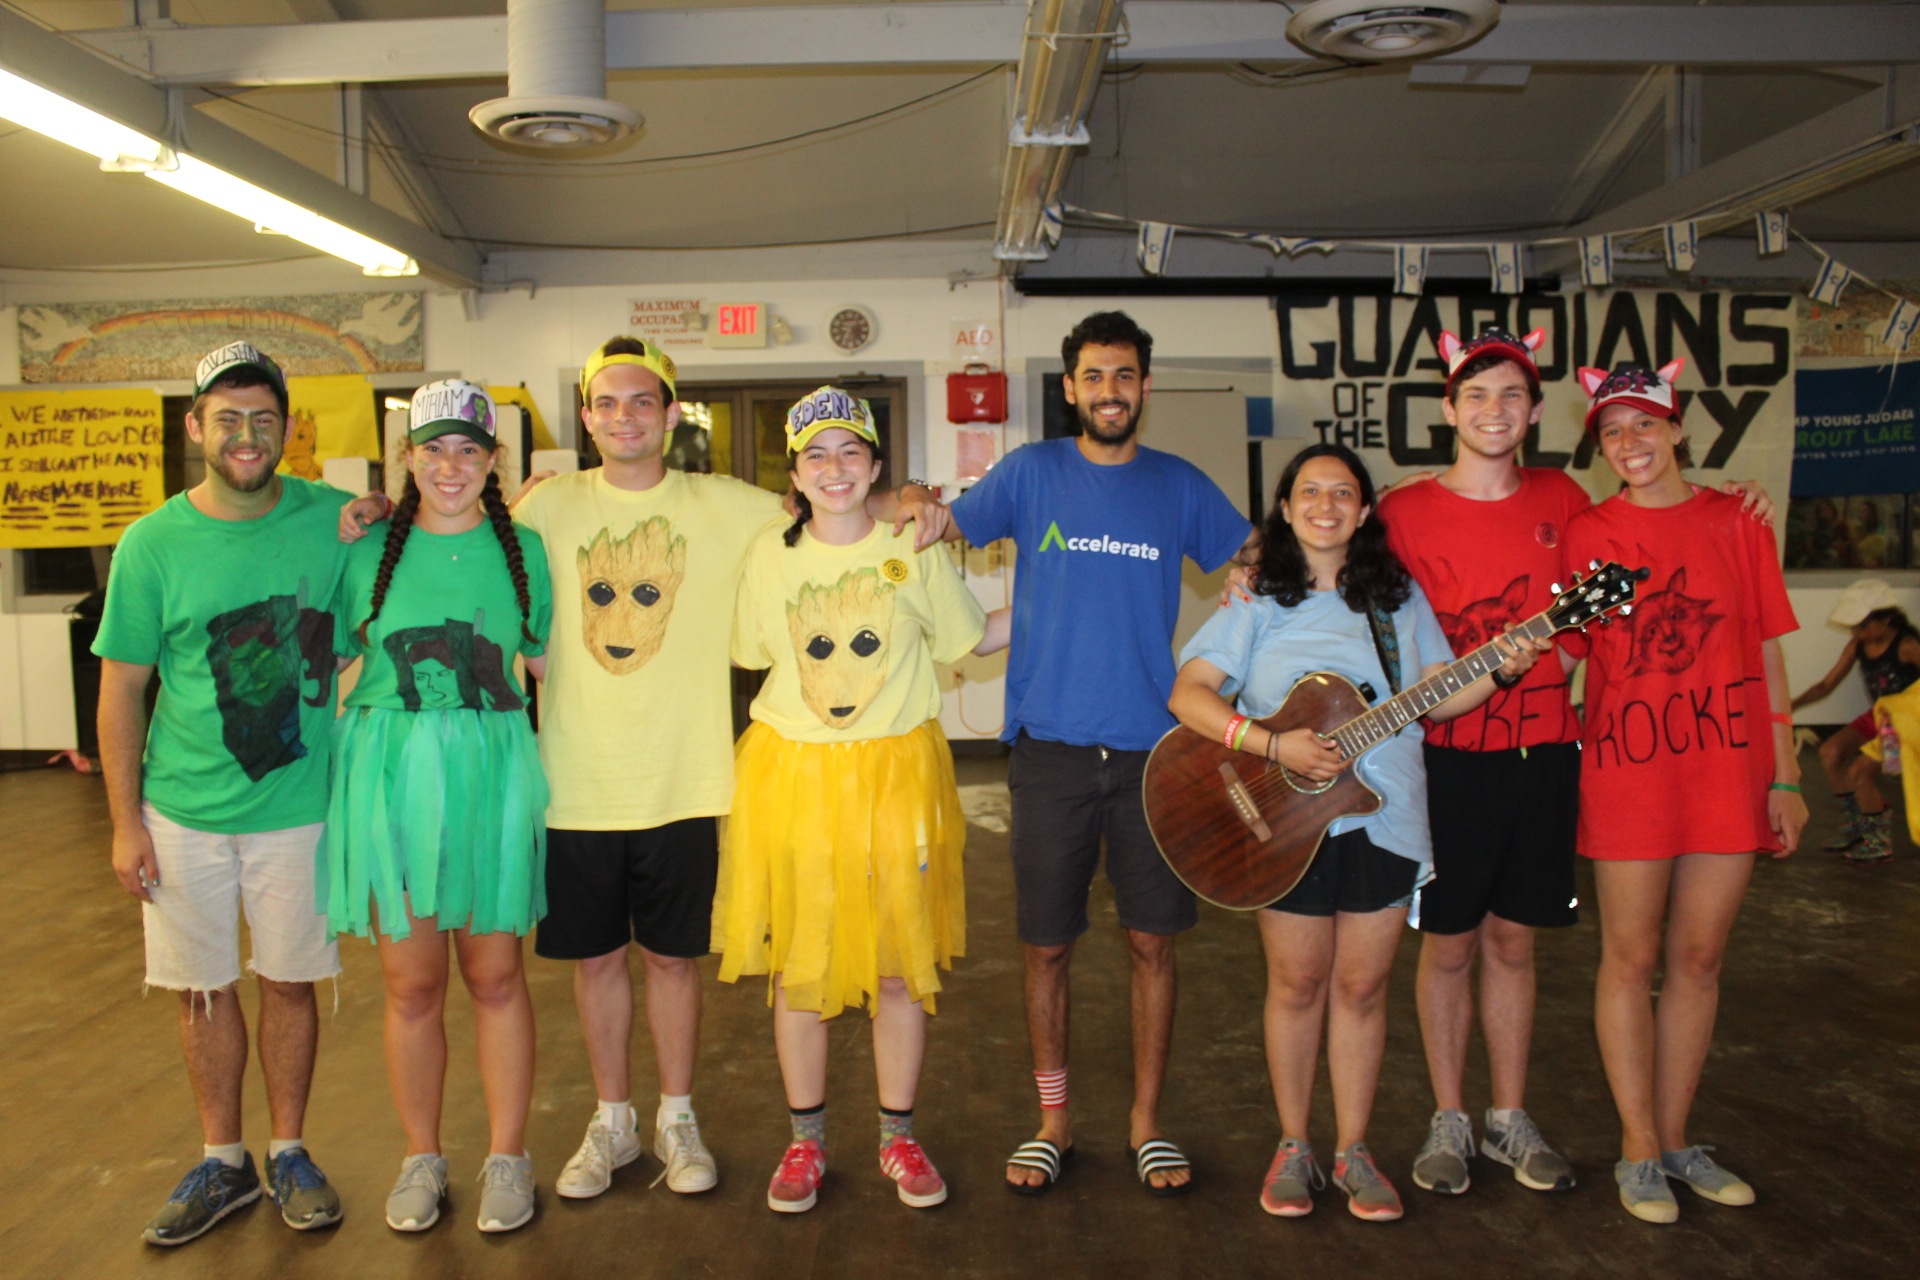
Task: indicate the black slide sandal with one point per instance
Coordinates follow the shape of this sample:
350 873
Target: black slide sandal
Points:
1157 1155
1042 1155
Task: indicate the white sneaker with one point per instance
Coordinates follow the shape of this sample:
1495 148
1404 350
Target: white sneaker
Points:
590 1172
689 1165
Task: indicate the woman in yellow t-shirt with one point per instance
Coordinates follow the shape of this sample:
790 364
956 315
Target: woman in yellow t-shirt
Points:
841 876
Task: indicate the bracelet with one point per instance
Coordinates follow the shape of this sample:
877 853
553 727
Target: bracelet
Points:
1241 735
1501 680
1784 786
1235 724
1783 717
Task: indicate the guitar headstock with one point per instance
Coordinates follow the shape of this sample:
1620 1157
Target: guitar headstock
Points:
1608 591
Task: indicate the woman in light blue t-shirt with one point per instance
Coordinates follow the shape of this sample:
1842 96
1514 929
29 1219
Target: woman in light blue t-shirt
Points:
1329 942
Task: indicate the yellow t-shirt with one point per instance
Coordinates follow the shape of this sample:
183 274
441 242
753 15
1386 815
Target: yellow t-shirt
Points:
636 716
851 633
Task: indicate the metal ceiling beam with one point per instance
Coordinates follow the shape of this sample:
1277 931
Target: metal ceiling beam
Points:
71 71
1615 147
971 32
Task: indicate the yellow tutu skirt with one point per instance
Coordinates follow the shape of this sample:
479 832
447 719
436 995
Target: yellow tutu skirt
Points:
842 866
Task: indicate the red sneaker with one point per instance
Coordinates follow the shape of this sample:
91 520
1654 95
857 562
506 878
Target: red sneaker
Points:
796 1183
921 1186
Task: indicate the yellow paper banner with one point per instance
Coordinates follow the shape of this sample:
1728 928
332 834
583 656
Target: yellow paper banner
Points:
542 438
330 417
77 467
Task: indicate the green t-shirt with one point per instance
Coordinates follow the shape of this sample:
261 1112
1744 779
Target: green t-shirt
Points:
237 616
450 624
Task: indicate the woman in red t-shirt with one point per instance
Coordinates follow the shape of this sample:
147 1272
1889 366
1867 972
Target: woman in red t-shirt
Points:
1687 769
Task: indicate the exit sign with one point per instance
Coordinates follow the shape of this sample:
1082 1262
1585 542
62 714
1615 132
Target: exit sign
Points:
738 324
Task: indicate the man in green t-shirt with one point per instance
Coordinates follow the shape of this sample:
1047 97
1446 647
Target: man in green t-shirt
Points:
227 591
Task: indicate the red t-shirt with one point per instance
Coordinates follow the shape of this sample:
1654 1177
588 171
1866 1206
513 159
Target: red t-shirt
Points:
1678 750
1483 566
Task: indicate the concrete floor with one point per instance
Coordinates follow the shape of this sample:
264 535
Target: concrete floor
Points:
1812 1093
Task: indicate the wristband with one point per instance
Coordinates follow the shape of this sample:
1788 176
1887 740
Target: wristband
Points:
1240 735
1783 717
1235 724
1501 680
1784 786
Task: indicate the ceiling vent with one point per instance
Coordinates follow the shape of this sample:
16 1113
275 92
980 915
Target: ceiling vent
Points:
1369 31
556 79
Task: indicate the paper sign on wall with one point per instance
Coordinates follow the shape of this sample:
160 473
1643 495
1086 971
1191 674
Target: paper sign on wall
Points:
77 467
328 418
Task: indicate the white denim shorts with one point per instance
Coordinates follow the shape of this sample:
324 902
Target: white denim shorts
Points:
207 880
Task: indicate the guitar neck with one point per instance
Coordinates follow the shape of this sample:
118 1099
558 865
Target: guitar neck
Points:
1375 725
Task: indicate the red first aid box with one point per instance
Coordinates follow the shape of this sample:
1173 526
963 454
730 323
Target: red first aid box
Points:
977 395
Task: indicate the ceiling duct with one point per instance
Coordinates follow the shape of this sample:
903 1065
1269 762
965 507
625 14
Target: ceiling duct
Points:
1370 31
556 79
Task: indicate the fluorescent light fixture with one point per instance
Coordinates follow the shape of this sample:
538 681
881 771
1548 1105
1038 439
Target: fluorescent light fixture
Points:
127 150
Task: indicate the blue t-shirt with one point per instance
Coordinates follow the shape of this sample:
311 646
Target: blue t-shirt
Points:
1265 647
1097 592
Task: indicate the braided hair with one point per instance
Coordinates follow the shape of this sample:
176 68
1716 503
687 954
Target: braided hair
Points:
398 527
804 507
496 508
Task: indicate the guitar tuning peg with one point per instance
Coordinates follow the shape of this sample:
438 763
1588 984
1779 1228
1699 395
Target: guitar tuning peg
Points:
1626 611
1555 588
1593 566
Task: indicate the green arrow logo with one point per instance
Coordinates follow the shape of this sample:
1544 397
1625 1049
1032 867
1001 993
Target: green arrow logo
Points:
1053 538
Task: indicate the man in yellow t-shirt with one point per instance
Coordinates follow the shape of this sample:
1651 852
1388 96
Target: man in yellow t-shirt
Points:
636 735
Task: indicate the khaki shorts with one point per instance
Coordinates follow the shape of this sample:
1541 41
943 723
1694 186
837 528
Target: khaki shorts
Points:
207 880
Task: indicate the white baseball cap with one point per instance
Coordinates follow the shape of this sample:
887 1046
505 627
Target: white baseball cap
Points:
1869 595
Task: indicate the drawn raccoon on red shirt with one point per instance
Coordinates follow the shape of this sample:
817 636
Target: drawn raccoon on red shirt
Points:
1669 627
1482 620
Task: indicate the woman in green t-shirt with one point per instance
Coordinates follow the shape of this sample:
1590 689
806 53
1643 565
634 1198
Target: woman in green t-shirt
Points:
437 825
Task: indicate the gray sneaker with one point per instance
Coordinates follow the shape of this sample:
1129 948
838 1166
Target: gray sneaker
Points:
689 1166
1442 1163
1708 1180
1291 1180
1369 1195
210 1191
1519 1144
507 1202
414 1202
307 1200
1644 1191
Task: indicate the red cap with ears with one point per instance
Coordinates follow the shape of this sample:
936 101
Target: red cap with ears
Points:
1632 384
1491 342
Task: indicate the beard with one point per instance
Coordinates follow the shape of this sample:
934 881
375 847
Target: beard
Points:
237 480
1092 425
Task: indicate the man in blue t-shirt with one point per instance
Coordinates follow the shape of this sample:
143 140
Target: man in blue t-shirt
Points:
1102 525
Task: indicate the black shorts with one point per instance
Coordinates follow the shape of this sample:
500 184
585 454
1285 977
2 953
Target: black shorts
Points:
1504 828
1066 799
653 887
1352 874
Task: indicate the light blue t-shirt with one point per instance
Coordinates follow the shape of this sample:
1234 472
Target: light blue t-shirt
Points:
1097 592
1265 647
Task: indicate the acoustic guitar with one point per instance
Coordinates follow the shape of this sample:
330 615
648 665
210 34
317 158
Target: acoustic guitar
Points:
1241 831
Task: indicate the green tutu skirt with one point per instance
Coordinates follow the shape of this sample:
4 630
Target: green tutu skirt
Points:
443 811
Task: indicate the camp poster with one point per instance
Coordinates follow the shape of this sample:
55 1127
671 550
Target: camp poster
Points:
1363 370
77 467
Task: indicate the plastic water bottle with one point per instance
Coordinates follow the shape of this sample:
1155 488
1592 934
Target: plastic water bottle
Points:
1889 749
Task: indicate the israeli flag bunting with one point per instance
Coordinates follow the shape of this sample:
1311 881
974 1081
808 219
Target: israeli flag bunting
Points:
1503 261
1409 268
1053 220
1683 245
1291 246
1830 283
1596 261
1771 230
1156 242
1900 326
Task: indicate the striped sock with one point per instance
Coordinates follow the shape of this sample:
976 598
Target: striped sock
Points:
1053 1089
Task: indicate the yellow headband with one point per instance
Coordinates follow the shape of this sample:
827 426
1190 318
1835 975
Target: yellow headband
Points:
655 359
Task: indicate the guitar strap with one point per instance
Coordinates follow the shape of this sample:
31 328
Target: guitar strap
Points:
1386 643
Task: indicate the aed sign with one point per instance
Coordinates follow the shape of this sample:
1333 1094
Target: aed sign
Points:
738 324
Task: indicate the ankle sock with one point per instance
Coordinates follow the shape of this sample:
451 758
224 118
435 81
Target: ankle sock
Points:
809 1124
617 1116
895 1124
1053 1089
674 1109
280 1146
231 1154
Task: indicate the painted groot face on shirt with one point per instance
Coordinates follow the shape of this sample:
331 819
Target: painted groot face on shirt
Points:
627 588
840 636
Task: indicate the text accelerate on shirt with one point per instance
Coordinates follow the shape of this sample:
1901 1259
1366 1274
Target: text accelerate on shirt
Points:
1055 540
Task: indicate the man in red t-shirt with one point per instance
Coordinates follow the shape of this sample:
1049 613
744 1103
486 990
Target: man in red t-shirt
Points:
1503 781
